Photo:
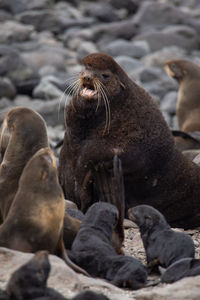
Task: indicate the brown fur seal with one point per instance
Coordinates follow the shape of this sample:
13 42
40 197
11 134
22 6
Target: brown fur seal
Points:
110 113
35 218
186 140
24 133
187 74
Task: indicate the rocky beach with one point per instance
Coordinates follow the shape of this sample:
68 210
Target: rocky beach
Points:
42 43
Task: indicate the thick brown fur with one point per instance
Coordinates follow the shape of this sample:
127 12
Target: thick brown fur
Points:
155 173
23 133
35 218
187 74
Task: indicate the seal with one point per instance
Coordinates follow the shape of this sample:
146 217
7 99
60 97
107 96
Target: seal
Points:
186 140
35 218
92 249
184 267
187 74
23 134
163 246
30 282
110 113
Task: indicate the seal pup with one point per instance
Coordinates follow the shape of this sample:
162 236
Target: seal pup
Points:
187 74
163 246
184 267
23 134
29 281
108 113
35 218
92 249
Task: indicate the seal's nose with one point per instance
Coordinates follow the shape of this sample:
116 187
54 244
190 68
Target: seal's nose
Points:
87 78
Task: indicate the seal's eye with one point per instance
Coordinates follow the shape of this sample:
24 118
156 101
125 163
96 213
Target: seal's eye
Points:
105 76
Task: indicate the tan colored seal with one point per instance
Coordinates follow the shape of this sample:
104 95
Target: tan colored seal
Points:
110 114
24 133
187 74
35 219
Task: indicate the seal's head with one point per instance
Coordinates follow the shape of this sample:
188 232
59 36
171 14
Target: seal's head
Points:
181 69
147 218
101 77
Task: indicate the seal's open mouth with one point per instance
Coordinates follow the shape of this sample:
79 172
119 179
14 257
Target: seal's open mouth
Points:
88 92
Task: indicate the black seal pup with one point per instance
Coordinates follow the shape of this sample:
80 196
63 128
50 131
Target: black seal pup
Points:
163 246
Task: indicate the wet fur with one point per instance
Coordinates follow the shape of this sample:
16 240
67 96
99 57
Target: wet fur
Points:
163 246
155 173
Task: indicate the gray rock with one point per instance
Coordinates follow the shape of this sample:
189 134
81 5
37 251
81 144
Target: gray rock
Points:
128 64
181 36
52 21
7 89
160 14
135 49
103 13
46 90
146 74
5 103
11 31
174 124
14 6
167 118
61 278
4 15
168 103
85 48
47 70
52 110
130 5
39 4
158 58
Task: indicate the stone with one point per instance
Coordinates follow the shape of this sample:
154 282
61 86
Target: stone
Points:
146 74
158 58
181 36
128 64
103 13
12 31
168 103
4 15
167 118
7 89
46 90
39 4
135 49
161 14
130 5
13 6
61 278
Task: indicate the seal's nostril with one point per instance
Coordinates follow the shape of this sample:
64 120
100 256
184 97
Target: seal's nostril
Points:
87 78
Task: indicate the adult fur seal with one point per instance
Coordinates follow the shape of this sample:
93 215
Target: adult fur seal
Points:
110 113
187 74
23 134
163 246
35 218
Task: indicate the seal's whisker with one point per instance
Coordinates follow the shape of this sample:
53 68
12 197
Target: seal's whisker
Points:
107 107
68 91
96 86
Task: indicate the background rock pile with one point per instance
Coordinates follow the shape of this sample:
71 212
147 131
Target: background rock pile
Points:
43 41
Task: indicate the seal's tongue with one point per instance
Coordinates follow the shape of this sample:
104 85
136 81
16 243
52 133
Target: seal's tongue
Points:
88 92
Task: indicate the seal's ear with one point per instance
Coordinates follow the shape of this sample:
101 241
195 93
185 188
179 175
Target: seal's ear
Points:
122 85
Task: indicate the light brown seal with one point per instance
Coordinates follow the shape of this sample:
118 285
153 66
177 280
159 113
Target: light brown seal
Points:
108 113
24 133
187 74
35 218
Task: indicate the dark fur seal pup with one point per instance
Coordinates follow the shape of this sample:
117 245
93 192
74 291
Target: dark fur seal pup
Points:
29 281
184 267
111 113
35 219
187 74
162 245
27 134
92 249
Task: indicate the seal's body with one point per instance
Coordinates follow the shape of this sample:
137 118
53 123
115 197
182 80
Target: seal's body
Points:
187 74
24 133
92 249
112 114
163 246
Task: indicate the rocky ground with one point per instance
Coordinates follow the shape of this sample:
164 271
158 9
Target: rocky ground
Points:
42 43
